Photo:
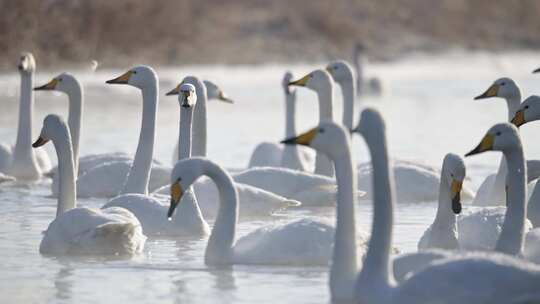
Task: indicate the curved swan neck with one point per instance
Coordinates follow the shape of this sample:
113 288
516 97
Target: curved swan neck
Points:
344 267
23 147
75 116
184 141
67 192
445 218
221 241
199 121
139 175
376 264
511 237
348 91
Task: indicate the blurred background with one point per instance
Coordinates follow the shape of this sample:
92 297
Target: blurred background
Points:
176 32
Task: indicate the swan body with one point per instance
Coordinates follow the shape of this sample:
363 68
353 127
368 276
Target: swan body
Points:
83 231
267 154
151 211
21 161
455 280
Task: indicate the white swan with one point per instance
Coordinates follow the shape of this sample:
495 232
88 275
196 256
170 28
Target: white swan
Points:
415 182
149 210
443 232
206 91
303 241
527 112
111 178
268 154
83 231
454 280
321 82
21 161
70 85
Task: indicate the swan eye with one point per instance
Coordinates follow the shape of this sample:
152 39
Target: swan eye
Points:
498 133
60 79
134 72
321 130
503 83
526 107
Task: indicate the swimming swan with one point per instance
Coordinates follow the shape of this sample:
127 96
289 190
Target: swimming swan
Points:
269 154
81 230
149 210
21 161
132 176
454 280
70 85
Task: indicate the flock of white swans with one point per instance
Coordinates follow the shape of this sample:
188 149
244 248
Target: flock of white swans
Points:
488 256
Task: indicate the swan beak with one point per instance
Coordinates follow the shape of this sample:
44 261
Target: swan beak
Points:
123 79
491 92
536 71
174 91
176 195
519 118
224 98
485 145
302 139
187 101
51 85
456 195
40 142
301 82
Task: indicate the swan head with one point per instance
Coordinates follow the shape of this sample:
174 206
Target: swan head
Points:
501 137
327 138
183 175
139 77
64 82
27 63
529 110
502 87
314 80
52 126
454 173
340 71
371 124
215 92
287 78
187 95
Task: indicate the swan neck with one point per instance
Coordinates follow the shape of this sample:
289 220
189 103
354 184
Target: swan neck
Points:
139 175
513 102
184 142
290 114
512 233
67 192
445 217
326 96
199 122
376 263
23 146
220 244
75 116
344 267
348 91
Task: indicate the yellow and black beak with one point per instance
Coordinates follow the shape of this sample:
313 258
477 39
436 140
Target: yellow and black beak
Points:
176 196
301 82
491 92
187 100
485 145
536 71
519 118
122 79
40 142
174 91
51 85
455 190
302 139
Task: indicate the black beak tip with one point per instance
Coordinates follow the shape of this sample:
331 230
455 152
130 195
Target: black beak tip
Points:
536 71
